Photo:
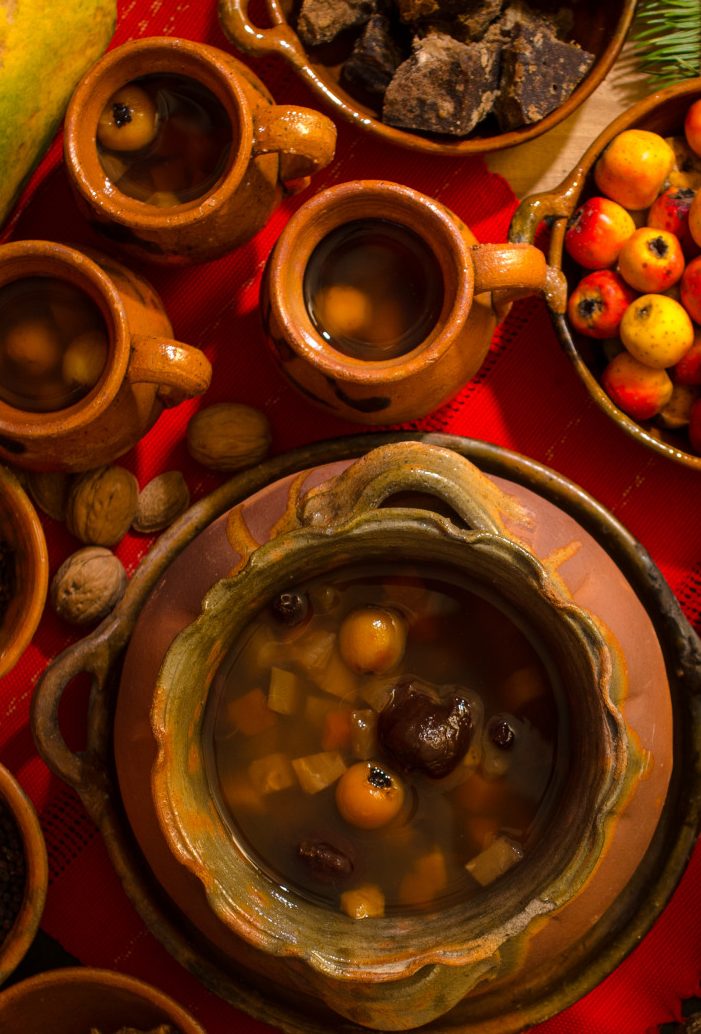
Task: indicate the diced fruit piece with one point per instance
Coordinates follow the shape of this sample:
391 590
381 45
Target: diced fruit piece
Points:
365 902
316 709
337 729
271 773
656 330
426 879
250 713
597 231
479 796
639 390
363 742
337 678
285 691
501 855
633 168
313 649
521 686
372 640
596 306
651 260
377 692
317 771
368 795
240 795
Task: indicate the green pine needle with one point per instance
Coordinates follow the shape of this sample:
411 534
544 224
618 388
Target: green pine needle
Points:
667 35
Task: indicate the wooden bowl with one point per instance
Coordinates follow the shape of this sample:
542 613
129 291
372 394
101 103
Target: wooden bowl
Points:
21 529
20 936
64 1001
662 112
599 27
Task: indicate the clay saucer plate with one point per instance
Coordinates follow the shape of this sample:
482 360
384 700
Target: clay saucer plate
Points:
606 571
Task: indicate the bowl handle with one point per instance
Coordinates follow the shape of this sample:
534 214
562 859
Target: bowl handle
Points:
84 770
280 39
411 467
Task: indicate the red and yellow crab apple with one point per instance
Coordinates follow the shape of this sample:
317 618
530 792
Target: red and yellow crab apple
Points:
598 302
656 330
597 231
651 260
633 168
692 127
691 289
670 211
639 390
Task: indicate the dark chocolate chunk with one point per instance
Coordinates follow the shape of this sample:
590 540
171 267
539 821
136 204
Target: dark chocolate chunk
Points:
444 87
375 57
538 73
320 21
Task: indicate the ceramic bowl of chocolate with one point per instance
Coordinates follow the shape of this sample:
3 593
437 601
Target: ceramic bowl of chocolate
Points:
626 230
442 76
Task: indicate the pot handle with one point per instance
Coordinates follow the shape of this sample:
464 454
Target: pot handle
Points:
280 39
83 770
305 139
411 467
181 371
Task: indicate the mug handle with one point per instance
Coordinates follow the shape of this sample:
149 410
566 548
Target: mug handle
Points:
280 39
305 139
512 271
181 371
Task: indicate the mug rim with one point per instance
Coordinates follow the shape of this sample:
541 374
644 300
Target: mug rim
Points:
167 55
33 258
334 207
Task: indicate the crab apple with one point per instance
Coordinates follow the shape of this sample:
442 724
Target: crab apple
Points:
651 260
638 390
695 426
691 289
692 127
596 232
688 369
670 211
597 304
695 218
675 413
656 330
633 168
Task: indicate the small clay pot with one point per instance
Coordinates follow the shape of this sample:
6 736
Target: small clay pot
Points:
398 971
478 283
145 368
21 530
272 147
600 27
65 1001
662 112
17 942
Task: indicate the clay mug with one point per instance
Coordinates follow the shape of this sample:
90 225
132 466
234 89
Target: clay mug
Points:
265 149
144 369
475 284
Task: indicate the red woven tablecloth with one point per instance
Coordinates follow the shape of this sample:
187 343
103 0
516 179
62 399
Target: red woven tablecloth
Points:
526 398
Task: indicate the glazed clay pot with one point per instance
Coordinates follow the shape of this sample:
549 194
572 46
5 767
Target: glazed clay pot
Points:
478 282
66 1001
21 530
145 368
399 971
21 934
272 147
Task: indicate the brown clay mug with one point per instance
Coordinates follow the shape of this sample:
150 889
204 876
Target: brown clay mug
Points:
261 149
470 289
144 369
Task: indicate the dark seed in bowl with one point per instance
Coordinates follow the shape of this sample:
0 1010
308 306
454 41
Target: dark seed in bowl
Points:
13 871
291 608
501 734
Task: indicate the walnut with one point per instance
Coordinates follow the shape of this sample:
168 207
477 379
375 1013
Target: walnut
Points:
161 501
88 585
101 505
228 436
50 491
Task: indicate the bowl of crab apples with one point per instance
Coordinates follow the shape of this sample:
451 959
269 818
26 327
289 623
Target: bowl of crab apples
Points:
625 228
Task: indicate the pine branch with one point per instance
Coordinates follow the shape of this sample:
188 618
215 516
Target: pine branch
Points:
667 35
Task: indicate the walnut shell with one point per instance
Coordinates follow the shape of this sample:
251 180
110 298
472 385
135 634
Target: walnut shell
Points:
88 585
160 501
101 505
49 491
228 436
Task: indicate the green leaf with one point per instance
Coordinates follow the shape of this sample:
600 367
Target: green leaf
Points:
667 36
